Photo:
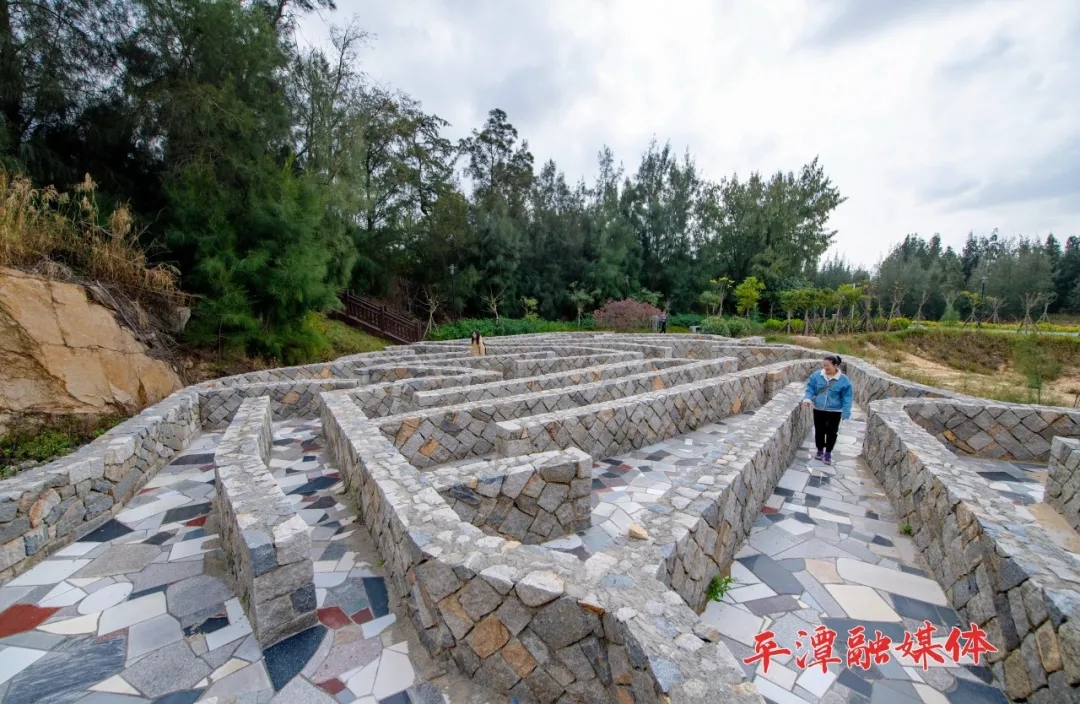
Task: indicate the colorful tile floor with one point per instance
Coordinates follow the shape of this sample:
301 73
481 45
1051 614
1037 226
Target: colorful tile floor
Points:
827 550
138 611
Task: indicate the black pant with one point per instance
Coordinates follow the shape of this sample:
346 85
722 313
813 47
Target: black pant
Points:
826 425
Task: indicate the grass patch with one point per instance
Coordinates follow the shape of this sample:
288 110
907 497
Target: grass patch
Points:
719 586
906 529
342 339
58 437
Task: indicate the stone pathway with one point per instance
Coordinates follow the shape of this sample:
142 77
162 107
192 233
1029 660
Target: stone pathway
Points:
140 610
827 551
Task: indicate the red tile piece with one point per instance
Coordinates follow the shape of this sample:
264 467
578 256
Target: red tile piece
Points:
333 617
23 617
363 616
769 509
332 686
198 522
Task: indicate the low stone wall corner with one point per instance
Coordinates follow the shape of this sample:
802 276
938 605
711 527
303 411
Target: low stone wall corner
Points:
265 540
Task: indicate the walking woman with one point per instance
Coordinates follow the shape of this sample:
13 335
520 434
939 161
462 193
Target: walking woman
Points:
829 391
476 345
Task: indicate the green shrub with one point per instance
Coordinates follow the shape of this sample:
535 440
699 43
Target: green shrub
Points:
901 323
950 317
772 325
739 327
489 327
685 320
715 326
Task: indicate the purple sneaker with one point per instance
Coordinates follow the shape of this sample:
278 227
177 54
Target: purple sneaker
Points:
820 455
828 458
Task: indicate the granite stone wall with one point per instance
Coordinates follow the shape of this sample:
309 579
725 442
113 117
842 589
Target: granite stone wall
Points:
544 382
996 431
704 521
1000 569
1063 480
614 427
44 509
266 542
394 398
532 623
532 499
450 433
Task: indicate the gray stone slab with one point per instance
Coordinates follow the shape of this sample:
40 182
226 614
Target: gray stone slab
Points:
169 669
196 594
120 559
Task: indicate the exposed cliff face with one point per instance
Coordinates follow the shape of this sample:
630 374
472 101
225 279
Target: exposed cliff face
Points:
61 353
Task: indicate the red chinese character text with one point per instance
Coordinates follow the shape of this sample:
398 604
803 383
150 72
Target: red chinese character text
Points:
822 643
922 649
765 649
975 644
862 653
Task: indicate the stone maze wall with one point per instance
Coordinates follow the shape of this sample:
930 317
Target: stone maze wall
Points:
265 541
614 427
1063 482
996 431
531 499
532 623
709 516
538 624
393 398
450 433
44 509
544 382
999 568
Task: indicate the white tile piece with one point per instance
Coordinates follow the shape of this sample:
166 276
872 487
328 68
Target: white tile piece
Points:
813 680
783 676
377 626
72 626
893 581
190 548
776 693
48 572
402 647
395 674
862 603
794 527
226 635
66 597
106 598
739 595
363 682
153 634
115 685
139 513
14 660
76 549
733 622
233 665
327 580
131 612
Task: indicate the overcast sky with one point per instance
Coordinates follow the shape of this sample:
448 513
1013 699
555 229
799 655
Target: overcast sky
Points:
945 116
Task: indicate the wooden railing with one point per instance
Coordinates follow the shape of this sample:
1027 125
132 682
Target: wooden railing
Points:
379 320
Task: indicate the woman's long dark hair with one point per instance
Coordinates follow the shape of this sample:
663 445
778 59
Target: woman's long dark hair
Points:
475 337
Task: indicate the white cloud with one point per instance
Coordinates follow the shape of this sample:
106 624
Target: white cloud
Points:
943 116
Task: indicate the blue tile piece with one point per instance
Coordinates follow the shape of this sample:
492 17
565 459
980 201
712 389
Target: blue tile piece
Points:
159 538
284 660
316 484
210 625
72 667
377 596
188 697
110 530
185 513
772 574
968 692
147 592
199 458
399 698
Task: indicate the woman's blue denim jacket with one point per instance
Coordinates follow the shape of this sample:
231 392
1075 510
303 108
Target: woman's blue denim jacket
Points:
826 395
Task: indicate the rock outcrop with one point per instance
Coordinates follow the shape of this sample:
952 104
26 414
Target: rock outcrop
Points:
61 353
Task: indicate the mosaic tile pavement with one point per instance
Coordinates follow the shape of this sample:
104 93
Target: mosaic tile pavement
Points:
827 550
140 610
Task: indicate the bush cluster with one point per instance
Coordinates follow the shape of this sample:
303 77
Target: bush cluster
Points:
489 327
728 327
626 315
